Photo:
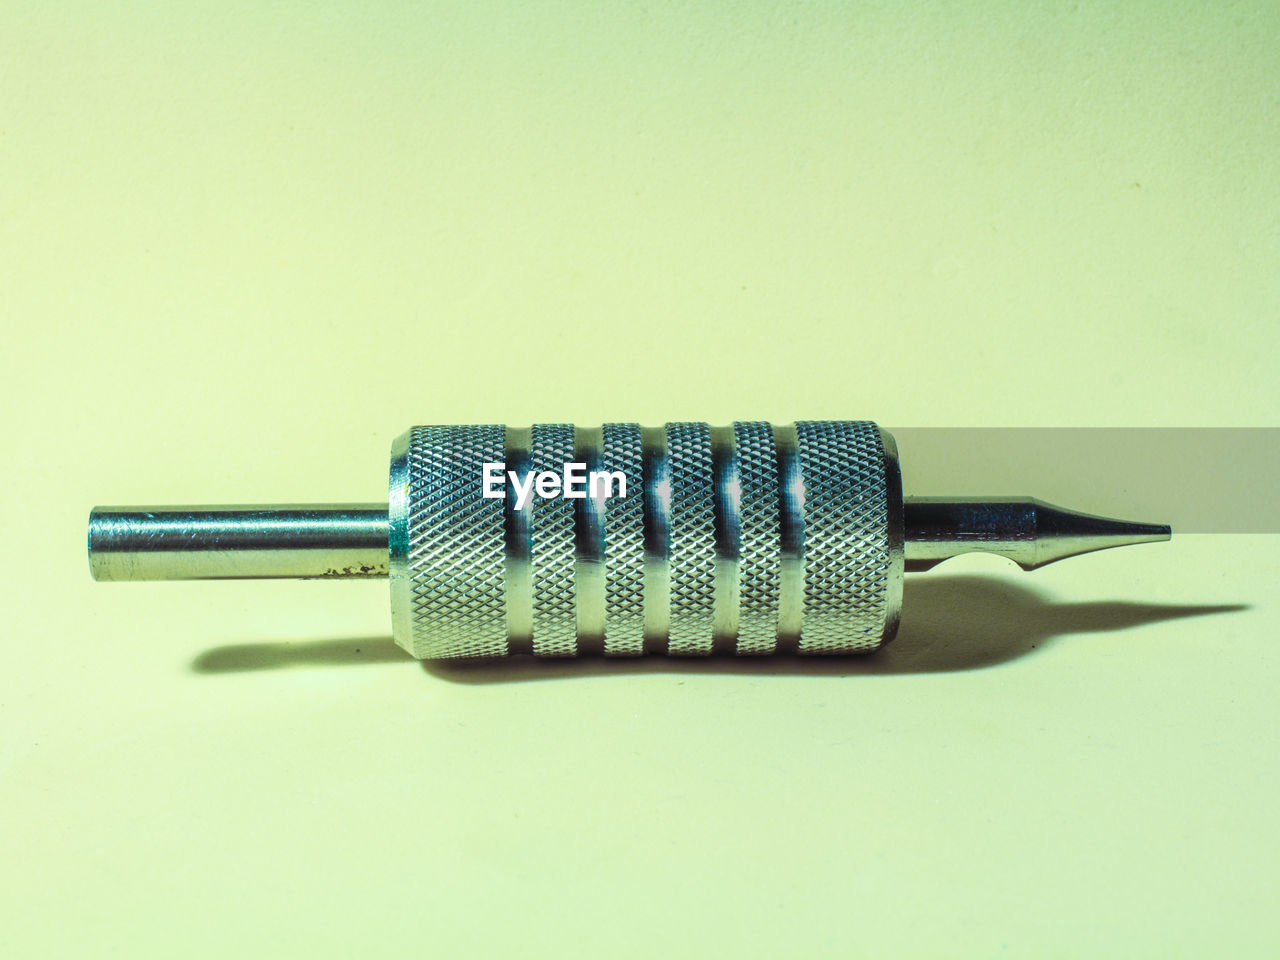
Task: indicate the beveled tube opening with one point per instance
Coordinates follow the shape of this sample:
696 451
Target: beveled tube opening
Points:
276 541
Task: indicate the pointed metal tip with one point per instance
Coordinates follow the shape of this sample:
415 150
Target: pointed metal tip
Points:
1060 533
1029 532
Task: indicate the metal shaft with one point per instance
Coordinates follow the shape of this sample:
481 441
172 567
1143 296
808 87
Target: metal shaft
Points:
327 540
238 543
1029 532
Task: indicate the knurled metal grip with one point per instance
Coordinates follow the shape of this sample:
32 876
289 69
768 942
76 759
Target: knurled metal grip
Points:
749 539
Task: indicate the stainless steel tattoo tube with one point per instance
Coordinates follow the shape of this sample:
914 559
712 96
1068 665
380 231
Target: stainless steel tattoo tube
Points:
558 540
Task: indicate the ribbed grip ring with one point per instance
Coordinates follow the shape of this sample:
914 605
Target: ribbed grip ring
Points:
846 548
759 559
691 554
555 628
452 578
749 539
624 543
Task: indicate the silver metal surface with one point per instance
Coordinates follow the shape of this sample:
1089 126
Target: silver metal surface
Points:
453 599
848 510
552 549
243 542
759 561
1029 532
794 532
747 539
623 538
590 522
691 545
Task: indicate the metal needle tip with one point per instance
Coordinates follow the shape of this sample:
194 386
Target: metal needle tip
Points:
1029 532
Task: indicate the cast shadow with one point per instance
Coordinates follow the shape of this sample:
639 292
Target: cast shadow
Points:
948 624
243 657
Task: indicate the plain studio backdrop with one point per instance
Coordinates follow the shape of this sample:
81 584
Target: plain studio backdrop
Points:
242 246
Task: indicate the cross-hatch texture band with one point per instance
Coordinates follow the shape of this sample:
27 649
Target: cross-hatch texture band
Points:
692 547
456 544
555 627
459 554
624 543
846 560
759 558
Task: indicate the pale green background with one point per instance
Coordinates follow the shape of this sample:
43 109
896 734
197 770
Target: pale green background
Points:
243 246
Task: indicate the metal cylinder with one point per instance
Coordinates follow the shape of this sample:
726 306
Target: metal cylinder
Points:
747 539
223 543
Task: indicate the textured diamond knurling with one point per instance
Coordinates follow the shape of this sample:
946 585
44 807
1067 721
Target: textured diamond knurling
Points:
759 557
692 553
624 542
555 628
456 543
846 517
